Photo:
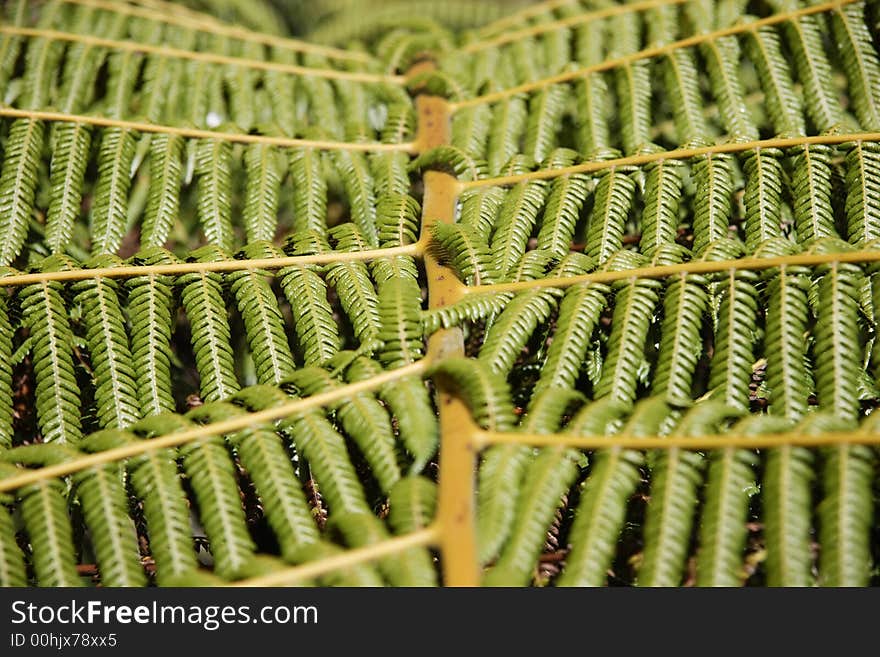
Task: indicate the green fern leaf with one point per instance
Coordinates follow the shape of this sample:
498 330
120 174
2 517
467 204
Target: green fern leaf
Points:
685 304
763 196
309 190
163 203
57 392
721 57
109 351
863 192
546 480
109 207
663 185
561 212
783 105
837 338
262 190
812 193
263 321
614 475
507 127
859 61
612 202
201 295
213 162
43 508
69 158
18 182
150 306
713 178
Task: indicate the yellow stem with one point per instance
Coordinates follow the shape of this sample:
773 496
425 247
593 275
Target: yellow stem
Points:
571 21
675 154
648 53
198 133
213 58
661 271
746 441
213 429
349 558
129 271
171 13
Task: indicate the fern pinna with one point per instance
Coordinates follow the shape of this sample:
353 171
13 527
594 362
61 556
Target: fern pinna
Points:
604 275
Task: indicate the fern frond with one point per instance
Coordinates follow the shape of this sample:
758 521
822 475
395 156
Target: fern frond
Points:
265 458
859 61
786 497
783 105
150 307
155 481
682 80
410 404
211 474
12 568
634 304
357 295
358 183
411 567
412 504
812 193
467 251
614 476
479 209
324 449
579 312
472 308
663 185
713 178
723 520
561 212
613 199
762 196
486 393
109 352
721 57
470 128
315 328
201 295
397 219
57 392
18 183
517 218
104 504
400 331
70 155
545 481
507 127
364 420
514 326
7 332
862 192
685 304
730 371
43 508
213 163
846 514
262 190
804 40
675 478
453 160
545 112
593 134
836 335
309 190
109 207
163 202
